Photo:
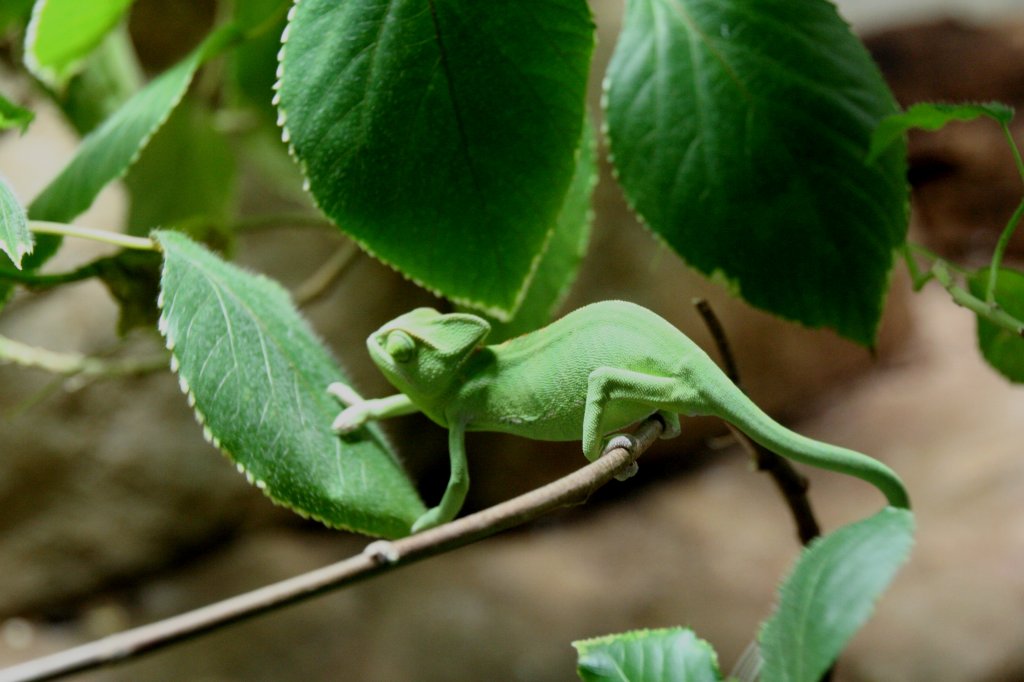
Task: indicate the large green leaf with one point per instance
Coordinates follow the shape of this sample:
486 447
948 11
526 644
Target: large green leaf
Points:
739 129
257 377
1000 347
186 174
564 253
440 135
15 237
672 654
63 32
931 116
830 594
108 151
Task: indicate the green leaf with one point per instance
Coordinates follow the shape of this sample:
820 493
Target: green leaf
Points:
671 654
931 116
253 64
738 129
108 151
440 136
15 237
13 116
831 593
186 174
564 253
257 377
12 11
63 32
1000 347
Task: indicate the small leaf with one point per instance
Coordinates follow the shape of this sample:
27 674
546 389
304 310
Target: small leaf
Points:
15 237
62 33
186 174
108 151
1000 347
672 654
931 116
830 594
257 376
440 136
738 130
564 253
13 116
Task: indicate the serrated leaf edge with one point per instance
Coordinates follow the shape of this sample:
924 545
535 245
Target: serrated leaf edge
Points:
163 325
500 314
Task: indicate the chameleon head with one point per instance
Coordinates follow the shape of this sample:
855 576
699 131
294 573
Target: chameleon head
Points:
421 351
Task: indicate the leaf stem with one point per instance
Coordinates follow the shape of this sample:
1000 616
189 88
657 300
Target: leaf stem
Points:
76 364
104 236
1000 250
317 284
43 281
989 311
377 558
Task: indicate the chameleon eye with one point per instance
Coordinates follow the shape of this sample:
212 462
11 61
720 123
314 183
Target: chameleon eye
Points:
399 346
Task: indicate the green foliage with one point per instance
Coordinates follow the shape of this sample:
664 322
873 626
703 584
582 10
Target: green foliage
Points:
107 153
254 62
738 130
133 280
557 268
256 376
931 116
13 116
185 175
831 592
440 137
15 238
63 32
1002 348
674 654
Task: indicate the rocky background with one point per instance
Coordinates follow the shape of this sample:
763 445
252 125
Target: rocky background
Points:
115 512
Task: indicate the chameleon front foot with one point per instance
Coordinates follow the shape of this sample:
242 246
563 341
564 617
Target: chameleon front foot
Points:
622 440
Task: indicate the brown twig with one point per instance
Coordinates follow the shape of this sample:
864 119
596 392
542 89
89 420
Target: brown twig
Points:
377 558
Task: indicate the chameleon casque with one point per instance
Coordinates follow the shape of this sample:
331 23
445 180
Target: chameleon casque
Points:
586 375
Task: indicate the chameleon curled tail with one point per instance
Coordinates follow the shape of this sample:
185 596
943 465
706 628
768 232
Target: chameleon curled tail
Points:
736 408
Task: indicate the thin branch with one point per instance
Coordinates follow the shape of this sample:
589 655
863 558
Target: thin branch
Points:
791 484
377 558
106 236
76 364
317 284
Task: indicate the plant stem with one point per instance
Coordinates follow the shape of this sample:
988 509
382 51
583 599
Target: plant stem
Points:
37 281
105 236
378 558
1000 250
989 311
318 283
76 364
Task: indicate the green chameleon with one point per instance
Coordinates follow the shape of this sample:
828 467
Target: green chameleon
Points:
591 373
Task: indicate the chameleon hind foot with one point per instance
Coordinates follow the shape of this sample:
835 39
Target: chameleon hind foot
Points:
622 440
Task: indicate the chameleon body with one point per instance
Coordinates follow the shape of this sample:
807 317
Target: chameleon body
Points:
586 375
